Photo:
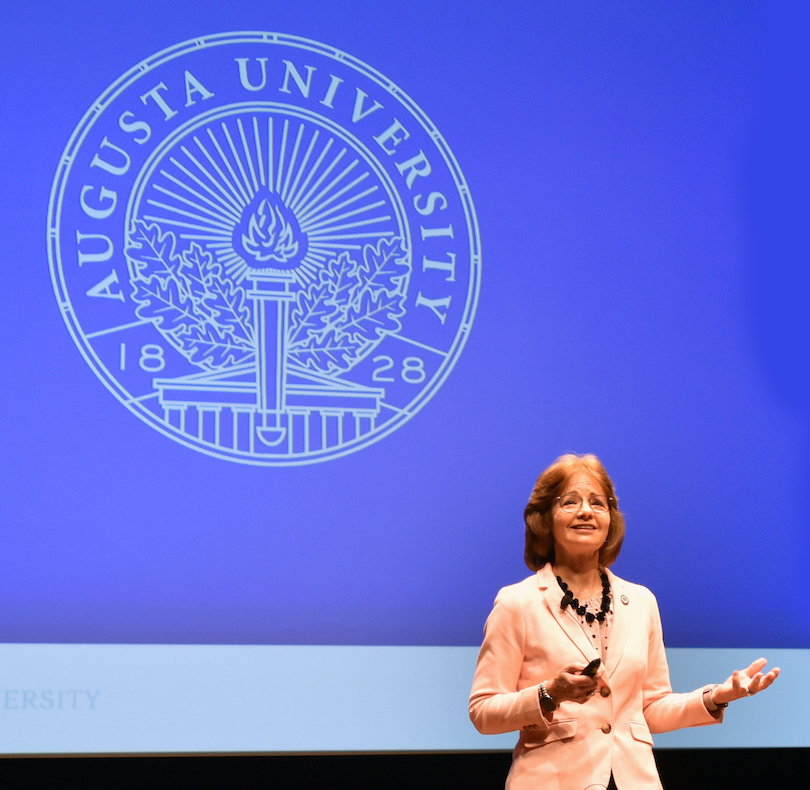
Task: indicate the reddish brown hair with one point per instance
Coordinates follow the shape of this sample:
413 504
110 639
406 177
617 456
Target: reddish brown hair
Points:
538 513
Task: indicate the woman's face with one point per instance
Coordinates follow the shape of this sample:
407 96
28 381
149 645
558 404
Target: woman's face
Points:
581 532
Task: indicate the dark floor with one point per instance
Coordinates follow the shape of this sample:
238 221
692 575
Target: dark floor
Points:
681 769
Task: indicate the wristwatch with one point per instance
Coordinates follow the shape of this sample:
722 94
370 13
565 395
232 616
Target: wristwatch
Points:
709 703
546 703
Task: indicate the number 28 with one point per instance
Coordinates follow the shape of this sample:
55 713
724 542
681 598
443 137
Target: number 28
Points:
412 370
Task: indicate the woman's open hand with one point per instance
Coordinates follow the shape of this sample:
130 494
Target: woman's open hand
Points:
570 684
744 683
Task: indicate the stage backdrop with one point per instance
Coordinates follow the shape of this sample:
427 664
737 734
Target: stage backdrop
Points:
299 298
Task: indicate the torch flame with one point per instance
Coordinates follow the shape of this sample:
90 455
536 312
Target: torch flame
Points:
269 236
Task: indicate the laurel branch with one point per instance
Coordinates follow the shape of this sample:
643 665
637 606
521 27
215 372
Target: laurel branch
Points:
337 318
203 314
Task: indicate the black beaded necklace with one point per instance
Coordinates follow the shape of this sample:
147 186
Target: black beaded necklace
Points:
569 600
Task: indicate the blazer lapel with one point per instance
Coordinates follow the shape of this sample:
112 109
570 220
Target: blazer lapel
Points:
553 594
622 615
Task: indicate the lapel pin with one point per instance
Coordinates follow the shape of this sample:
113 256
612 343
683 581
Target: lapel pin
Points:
625 600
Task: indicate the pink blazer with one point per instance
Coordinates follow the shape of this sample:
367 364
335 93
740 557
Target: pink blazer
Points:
528 639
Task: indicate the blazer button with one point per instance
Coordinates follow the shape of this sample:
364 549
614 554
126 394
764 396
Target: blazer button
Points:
606 728
604 691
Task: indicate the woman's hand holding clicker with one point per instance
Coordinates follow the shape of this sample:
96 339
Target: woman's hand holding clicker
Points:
570 684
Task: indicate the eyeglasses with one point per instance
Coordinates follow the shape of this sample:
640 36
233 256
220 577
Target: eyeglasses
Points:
572 503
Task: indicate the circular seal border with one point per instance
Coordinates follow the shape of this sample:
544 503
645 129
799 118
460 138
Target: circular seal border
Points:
54 253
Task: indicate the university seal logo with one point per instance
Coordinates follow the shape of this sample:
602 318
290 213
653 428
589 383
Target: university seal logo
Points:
264 248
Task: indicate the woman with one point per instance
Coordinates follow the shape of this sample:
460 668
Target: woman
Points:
577 731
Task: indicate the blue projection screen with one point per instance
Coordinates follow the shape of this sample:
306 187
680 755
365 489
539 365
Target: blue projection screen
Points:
300 298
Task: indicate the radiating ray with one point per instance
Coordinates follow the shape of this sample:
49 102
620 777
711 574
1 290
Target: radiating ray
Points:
270 152
305 200
237 270
282 151
319 198
231 261
291 165
314 216
213 235
228 198
257 140
303 164
350 185
227 132
354 235
248 156
220 210
315 225
206 237
309 271
235 178
362 223
227 205
329 248
176 223
314 169
232 182
224 180
189 214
